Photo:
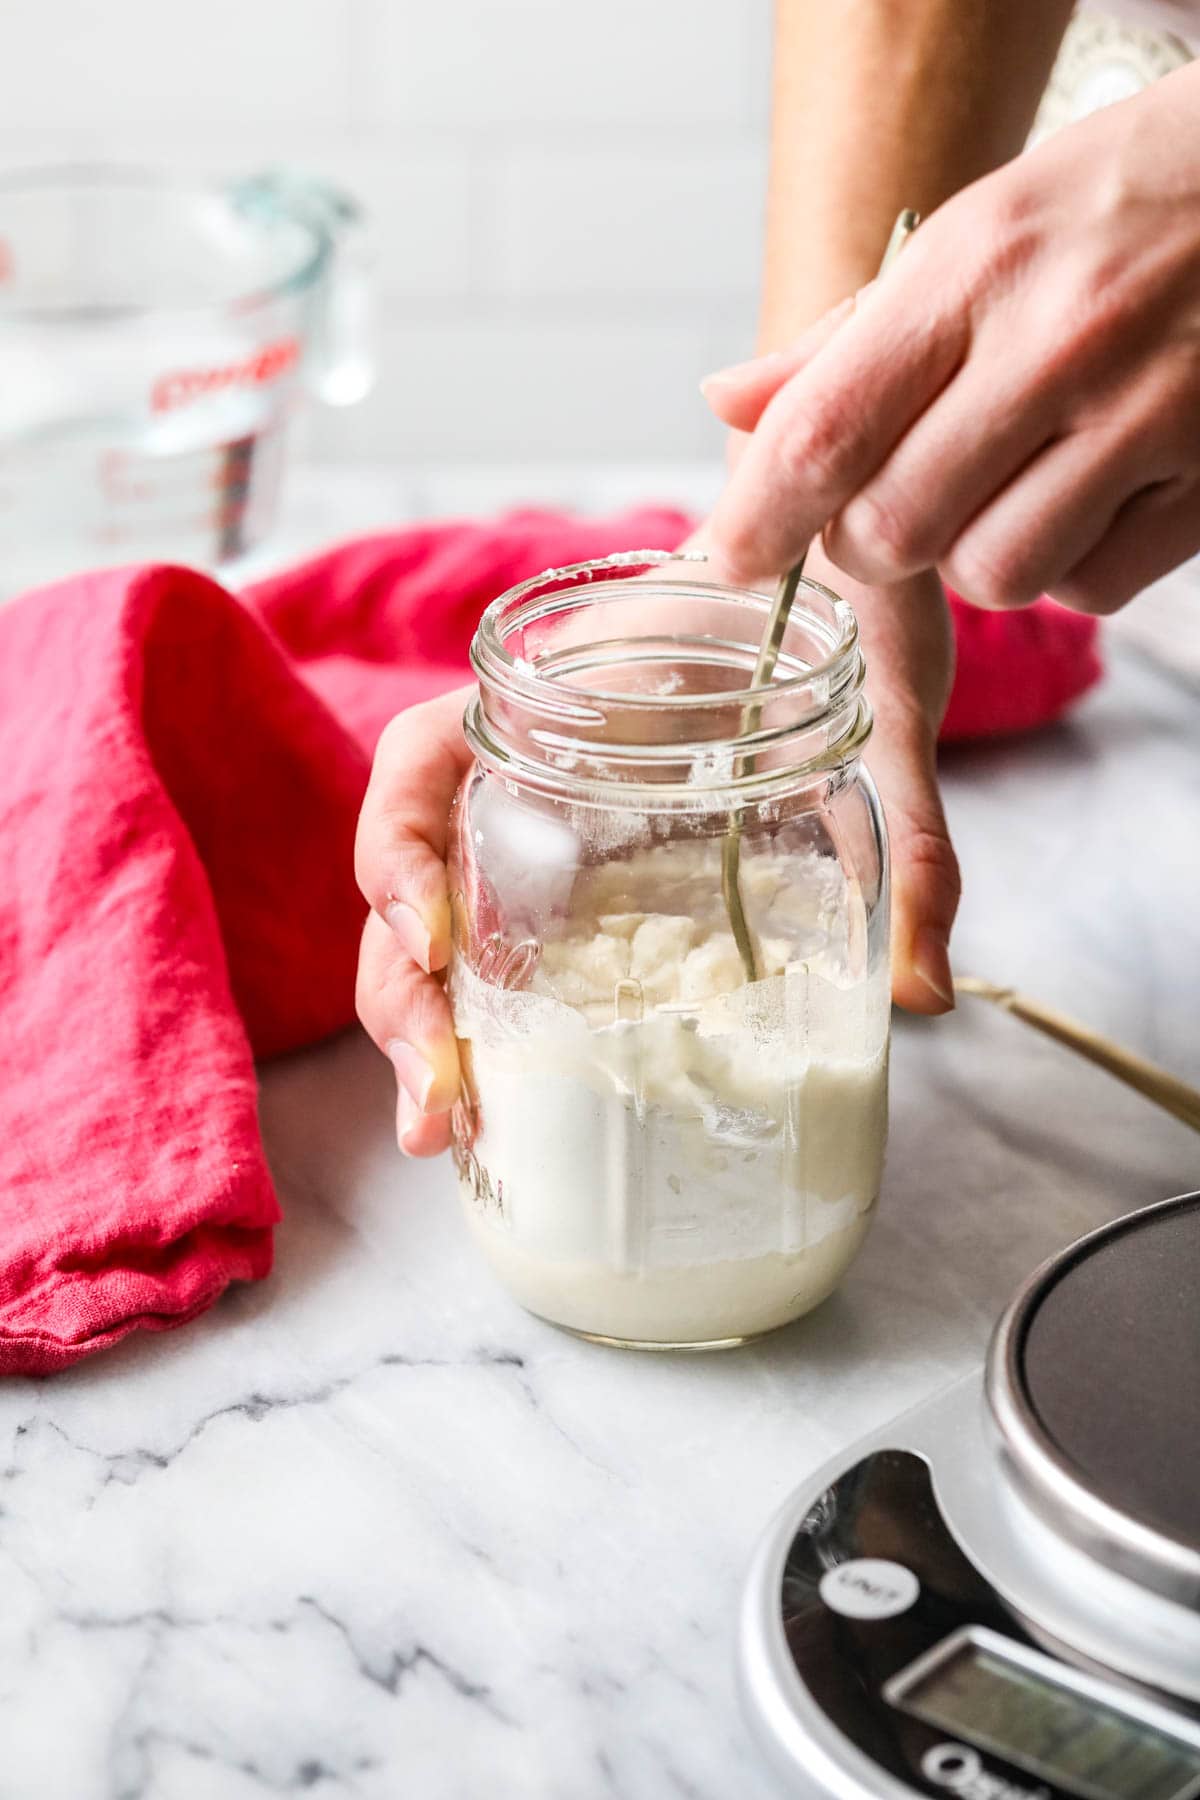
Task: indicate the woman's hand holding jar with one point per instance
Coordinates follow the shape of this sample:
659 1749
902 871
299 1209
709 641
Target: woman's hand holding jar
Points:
423 756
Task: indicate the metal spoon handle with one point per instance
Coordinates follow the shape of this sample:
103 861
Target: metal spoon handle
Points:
764 669
785 593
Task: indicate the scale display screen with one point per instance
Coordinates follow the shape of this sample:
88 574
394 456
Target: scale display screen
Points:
1066 1728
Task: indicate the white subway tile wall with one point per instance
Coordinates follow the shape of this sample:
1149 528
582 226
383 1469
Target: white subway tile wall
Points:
566 198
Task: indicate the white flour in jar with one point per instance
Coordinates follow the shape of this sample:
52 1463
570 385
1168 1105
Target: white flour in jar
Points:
652 1150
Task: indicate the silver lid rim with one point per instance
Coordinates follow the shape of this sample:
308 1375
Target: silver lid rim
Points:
1043 1477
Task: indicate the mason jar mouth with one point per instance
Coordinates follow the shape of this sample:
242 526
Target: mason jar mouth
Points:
591 677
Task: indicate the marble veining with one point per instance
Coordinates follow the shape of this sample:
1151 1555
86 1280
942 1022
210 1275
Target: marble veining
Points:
368 1530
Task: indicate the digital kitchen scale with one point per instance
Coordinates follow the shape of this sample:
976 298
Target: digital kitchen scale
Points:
998 1595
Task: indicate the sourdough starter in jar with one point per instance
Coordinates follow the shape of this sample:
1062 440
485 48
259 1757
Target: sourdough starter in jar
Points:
752 1117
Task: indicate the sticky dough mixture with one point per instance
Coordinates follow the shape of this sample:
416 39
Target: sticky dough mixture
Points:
657 1151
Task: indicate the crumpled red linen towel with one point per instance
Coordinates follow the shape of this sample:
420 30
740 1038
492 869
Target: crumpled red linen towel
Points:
180 772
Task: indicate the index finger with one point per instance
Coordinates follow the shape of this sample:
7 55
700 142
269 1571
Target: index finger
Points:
739 395
400 849
833 424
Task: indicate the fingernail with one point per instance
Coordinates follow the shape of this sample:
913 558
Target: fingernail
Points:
931 960
721 378
406 1118
417 1076
736 373
429 1076
412 931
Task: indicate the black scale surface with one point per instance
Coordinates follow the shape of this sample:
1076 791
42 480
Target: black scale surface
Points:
1110 1365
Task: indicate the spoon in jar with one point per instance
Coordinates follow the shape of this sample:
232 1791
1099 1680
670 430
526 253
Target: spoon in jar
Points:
764 669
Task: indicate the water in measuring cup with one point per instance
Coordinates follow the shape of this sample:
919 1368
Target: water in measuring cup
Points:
118 450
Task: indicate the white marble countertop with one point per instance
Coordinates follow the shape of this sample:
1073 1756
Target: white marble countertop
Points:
368 1530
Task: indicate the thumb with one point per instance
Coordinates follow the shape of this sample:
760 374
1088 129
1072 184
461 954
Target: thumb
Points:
909 648
400 849
925 879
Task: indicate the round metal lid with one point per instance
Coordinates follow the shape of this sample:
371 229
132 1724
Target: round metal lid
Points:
1093 1385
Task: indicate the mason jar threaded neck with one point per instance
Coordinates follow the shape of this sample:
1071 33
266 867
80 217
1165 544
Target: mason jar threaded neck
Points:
619 671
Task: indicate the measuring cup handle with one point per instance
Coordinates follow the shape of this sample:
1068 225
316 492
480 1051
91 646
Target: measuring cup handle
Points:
339 364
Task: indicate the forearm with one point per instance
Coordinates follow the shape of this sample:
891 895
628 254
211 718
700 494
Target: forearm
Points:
879 105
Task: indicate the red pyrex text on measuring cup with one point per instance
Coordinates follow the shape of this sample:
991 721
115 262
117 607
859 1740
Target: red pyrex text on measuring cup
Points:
155 338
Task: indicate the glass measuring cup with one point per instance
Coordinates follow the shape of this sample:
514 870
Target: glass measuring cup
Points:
155 337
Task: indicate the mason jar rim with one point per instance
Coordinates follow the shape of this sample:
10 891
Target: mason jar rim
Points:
541 730
490 659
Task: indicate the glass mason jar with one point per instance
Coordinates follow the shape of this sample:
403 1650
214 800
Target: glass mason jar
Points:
654 1148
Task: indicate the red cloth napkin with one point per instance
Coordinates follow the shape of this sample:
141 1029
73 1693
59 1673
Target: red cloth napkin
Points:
180 772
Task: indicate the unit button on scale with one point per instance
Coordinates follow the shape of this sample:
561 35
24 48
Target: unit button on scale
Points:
998 1596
